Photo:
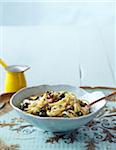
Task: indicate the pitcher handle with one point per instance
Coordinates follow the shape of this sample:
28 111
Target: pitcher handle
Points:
3 63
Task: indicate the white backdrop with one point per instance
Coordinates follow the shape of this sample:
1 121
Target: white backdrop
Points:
56 38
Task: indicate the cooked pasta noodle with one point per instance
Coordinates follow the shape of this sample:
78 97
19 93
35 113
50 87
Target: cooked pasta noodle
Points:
55 104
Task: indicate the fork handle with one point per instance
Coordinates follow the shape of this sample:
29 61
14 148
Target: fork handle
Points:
105 97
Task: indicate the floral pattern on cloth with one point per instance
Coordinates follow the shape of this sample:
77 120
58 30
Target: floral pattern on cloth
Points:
100 130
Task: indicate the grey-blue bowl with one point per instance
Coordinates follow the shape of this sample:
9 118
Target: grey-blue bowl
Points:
57 124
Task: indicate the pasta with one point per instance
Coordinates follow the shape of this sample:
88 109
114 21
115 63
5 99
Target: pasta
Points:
55 104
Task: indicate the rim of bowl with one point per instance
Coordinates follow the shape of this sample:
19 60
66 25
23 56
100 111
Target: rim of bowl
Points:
50 118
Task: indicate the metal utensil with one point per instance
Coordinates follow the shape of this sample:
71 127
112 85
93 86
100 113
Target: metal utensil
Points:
105 97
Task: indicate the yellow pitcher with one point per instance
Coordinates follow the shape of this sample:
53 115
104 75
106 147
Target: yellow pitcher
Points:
15 79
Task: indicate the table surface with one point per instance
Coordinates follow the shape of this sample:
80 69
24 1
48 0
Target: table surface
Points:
17 134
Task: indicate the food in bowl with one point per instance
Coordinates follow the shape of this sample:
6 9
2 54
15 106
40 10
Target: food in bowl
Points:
57 124
55 104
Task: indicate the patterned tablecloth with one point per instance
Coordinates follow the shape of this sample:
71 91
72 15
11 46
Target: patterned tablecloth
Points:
17 134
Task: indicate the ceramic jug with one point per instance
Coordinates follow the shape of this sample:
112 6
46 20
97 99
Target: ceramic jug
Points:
14 78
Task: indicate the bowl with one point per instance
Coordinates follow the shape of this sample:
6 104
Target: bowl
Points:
57 124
